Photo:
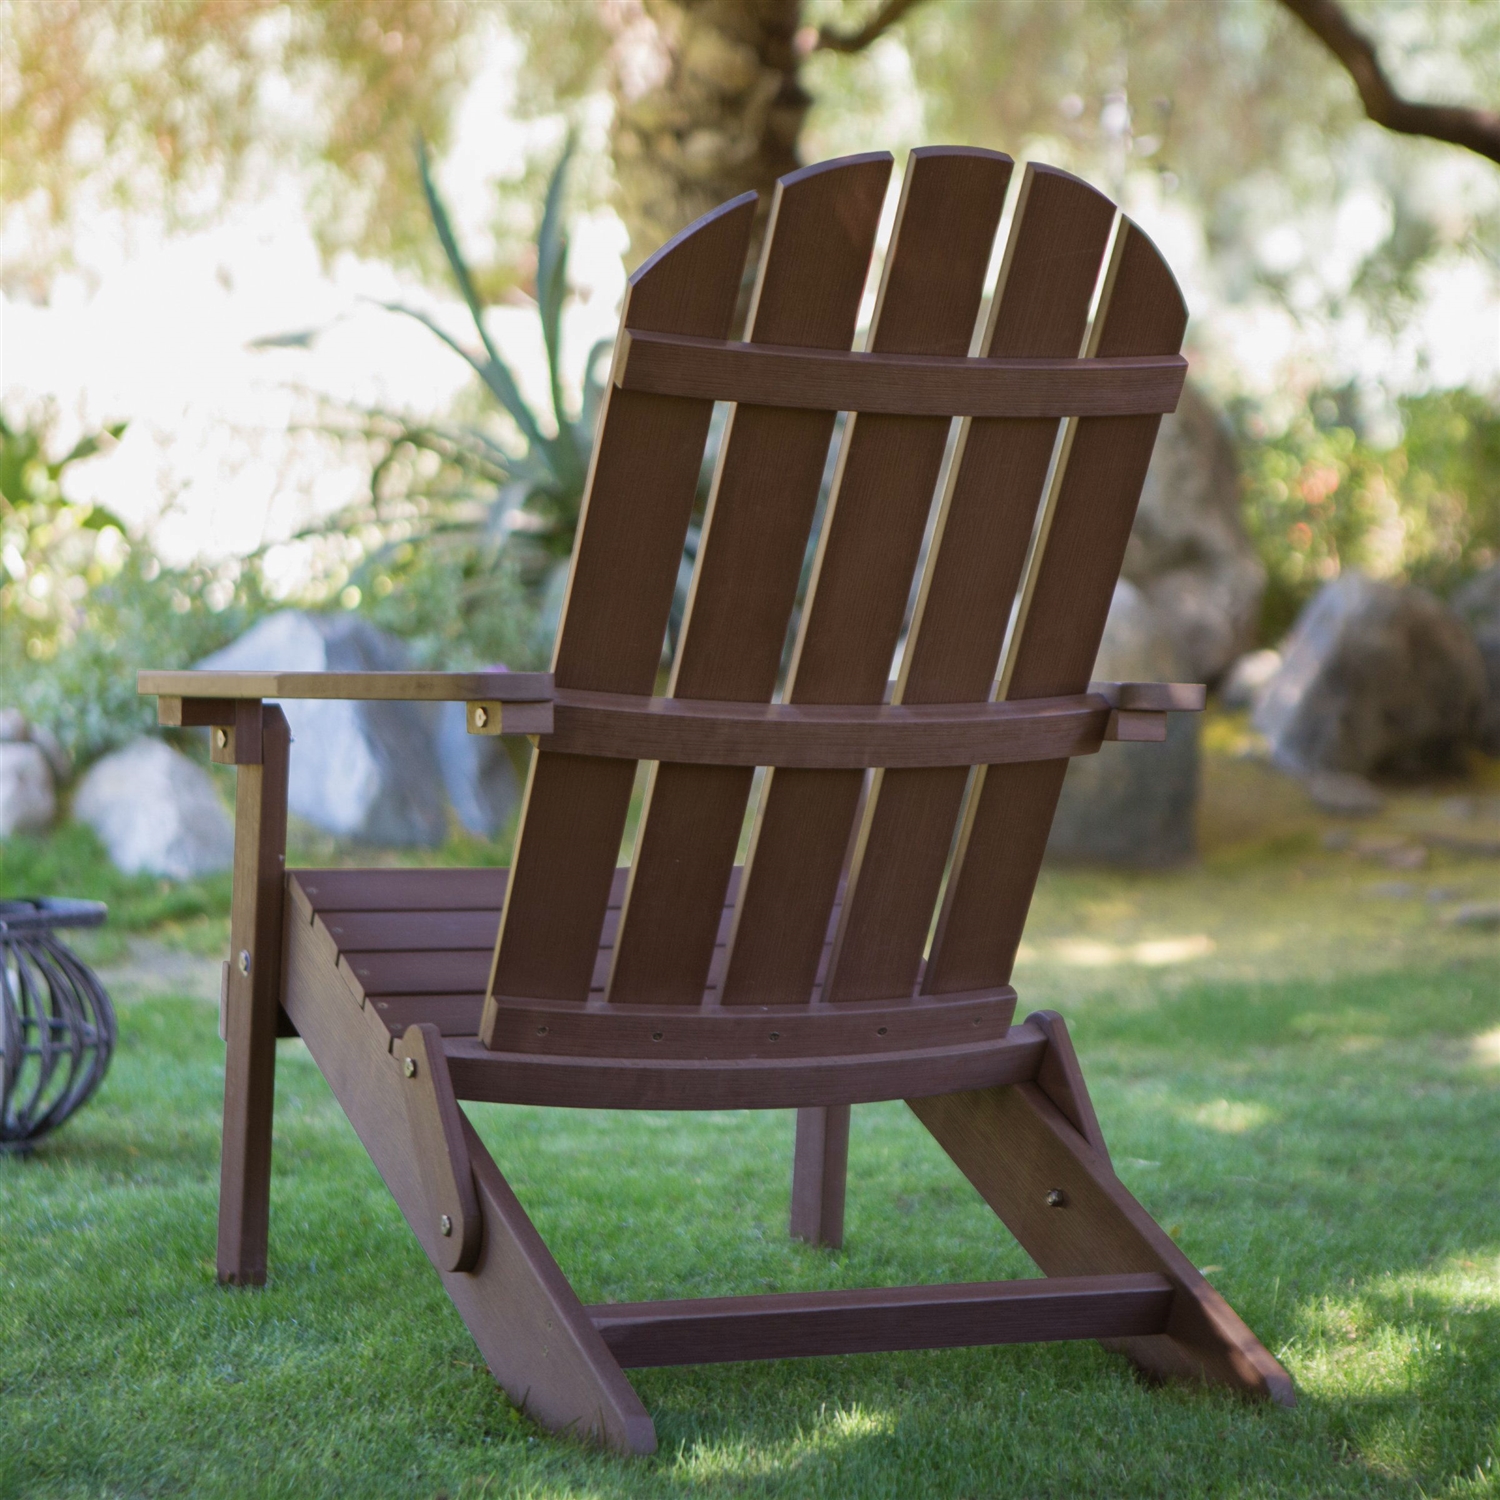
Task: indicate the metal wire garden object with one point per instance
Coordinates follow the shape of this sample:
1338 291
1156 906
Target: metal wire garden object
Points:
57 1026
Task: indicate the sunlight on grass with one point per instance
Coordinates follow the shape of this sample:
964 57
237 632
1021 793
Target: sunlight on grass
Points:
1487 1048
1093 953
1231 1117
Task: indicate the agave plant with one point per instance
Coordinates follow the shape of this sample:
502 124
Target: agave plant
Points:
543 486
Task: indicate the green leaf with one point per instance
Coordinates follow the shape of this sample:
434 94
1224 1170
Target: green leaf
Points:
495 373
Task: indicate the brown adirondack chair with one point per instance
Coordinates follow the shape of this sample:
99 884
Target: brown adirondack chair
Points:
862 951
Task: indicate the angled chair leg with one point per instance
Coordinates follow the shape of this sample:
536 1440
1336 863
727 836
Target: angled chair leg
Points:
536 1336
258 745
820 1169
1057 1193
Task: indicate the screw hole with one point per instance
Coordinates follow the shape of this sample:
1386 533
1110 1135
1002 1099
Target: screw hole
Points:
656 1036
880 1030
775 1036
541 1031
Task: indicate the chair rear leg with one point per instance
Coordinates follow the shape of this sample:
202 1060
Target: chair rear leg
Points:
820 1170
259 749
1057 1193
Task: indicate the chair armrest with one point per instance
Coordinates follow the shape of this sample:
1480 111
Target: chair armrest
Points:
1138 710
521 702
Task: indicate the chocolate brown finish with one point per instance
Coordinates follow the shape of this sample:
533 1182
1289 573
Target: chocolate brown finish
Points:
820 1167
825 736
797 1324
882 494
421 687
253 1005
818 242
898 384
801 979
442 1153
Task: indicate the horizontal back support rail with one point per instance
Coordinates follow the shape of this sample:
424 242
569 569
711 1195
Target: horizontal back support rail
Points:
853 736
898 384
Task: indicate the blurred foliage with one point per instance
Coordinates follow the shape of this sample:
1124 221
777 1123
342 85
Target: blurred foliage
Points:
82 605
174 103
71 859
468 528
1320 496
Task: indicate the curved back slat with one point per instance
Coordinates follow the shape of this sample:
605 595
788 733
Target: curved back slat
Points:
867 553
639 498
1058 238
1060 622
813 272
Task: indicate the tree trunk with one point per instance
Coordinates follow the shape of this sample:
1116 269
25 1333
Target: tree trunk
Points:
707 106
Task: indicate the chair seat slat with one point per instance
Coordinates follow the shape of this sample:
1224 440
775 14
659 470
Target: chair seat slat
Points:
899 384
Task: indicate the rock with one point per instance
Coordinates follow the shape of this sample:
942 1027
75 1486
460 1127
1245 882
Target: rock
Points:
1477 603
1245 681
1343 792
1188 552
28 802
479 774
1484 915
368 770
156 811
1132 804
1375 678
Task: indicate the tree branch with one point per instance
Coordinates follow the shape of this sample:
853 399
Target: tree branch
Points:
1476 129
876 27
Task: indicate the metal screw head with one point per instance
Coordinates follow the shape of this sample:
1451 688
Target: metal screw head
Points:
409 1067
244 960
481 717
221 737
1056 1198
446 1225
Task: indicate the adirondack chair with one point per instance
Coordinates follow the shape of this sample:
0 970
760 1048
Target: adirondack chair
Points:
862 950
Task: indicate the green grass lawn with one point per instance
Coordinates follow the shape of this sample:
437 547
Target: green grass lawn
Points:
1297 1066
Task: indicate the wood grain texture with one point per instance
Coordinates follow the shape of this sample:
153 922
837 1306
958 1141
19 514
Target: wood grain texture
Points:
1017 1147
1061 1079
1060 621
899 384
814 735
536 1337
639 498
792 1324
440 1152
713 1082
820 1169
252 1006
877 513
417 687
812 274
995 483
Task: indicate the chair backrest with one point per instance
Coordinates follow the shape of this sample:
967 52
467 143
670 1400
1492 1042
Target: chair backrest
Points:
852 874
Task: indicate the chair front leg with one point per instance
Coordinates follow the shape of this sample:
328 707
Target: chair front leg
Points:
257 744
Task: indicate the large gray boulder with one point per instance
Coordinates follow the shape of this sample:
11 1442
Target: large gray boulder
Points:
156 812
364 770
1189 553
1478 604
28 799
1133 804
1376 678
478 771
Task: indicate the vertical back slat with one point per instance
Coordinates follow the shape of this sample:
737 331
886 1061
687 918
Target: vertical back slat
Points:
1040 310
813 272
872 535
1058 630
642 481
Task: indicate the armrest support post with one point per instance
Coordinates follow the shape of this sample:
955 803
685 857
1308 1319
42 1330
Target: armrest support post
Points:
254 991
